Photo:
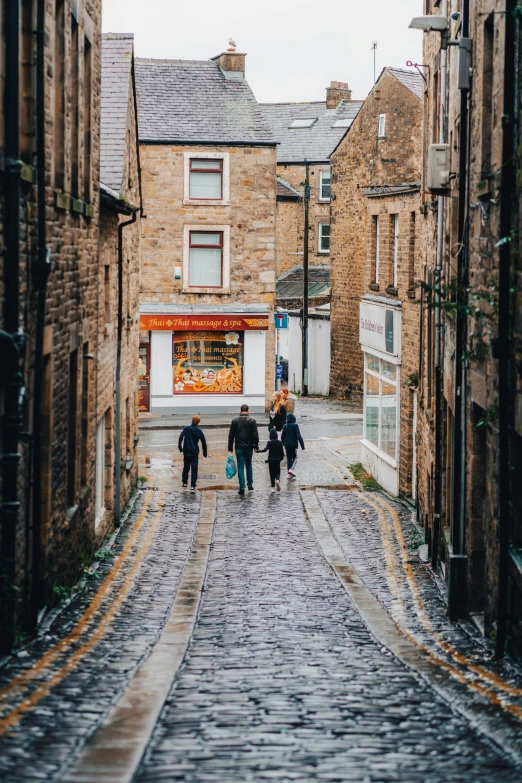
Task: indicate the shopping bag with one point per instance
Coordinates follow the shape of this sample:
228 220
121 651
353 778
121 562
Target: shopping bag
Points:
230 469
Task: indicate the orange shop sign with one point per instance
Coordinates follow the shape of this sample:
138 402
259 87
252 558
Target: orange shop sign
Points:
221 322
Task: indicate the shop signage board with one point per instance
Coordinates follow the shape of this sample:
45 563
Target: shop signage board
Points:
379 328
207 362
191 322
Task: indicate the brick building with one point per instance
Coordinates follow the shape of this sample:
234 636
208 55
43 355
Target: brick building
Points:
376 171
207 296
56 372
306 132
470 422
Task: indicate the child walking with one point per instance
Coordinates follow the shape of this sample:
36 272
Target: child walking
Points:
276 455
189 438
291 438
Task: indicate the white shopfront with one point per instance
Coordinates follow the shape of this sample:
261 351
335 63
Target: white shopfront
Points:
380 339
203 361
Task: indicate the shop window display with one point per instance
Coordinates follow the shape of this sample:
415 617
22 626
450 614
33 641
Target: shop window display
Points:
380 404
207 362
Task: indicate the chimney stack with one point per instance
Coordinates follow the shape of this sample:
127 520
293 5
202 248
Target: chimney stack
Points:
232 63
337 92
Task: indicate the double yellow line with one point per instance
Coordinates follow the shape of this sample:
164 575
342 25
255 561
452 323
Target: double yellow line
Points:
41 668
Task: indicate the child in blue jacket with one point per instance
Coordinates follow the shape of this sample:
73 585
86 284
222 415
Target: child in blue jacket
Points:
291 438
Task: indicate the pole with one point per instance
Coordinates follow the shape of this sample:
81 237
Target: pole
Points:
304 385
374 48
437 510
117 445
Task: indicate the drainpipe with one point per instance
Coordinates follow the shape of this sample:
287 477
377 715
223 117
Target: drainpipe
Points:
437 510
457 565
41 273
11 339
117 455
502 346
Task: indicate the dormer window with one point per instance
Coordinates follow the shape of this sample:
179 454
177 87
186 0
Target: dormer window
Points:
206 179
381 132
303 122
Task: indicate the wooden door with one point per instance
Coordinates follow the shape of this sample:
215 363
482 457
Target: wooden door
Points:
144 372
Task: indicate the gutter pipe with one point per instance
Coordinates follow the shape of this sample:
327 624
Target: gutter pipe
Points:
502 346
11 338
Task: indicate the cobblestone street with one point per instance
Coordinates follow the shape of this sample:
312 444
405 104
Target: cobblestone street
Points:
290 637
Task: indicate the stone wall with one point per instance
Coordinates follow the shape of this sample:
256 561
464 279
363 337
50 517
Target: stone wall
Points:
251 216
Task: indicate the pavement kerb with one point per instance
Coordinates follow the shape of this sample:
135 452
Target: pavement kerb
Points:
443 678
116 748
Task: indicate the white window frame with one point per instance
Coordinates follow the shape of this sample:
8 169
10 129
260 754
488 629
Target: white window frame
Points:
381 130
225 281
377 246
321 173
99 500
377 449
319 238
395 250
225 157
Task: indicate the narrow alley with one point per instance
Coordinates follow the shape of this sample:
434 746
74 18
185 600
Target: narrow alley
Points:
298 636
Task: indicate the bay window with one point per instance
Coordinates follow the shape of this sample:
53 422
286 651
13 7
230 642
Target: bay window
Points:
380 404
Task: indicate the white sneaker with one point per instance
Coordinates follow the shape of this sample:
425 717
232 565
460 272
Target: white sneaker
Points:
272 490
291 473
278 485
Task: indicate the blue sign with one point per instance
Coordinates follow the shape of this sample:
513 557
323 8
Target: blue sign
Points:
281 320
279 372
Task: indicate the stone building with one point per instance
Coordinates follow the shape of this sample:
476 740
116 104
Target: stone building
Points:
118 283
376 171
470 402
207 297
57 369
306 132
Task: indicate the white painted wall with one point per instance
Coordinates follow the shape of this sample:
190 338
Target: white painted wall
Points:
318 355
254 363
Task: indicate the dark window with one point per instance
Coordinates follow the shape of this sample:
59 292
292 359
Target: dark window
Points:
324 238
206 259
27 102
206 179
87 114
59 95
72 435
75 120
411 253
487 93
84 445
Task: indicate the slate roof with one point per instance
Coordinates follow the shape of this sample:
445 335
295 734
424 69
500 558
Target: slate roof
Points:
284 190
189 101
290 285
116 86
316 143
411 79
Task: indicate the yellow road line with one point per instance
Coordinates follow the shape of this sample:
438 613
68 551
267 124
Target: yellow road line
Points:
423 615
12 718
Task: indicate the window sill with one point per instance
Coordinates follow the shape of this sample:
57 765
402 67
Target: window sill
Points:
378 453
193 290
323 252
390 289
77 206
374 286
62 200
324 200
189 202
71 514
411 293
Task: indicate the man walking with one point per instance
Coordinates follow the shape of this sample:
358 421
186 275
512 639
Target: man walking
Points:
243 432
189 438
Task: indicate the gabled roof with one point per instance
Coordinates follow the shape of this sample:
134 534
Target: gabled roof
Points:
286 191
411 79
315 143
116 90
189 101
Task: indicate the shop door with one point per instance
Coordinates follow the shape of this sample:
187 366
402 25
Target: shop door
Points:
144 372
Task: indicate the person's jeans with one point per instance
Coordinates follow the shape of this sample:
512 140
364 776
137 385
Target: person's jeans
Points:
244 460
291 455
190 463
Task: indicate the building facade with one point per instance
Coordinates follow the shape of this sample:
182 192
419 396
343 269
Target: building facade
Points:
208 284
374 315
470 434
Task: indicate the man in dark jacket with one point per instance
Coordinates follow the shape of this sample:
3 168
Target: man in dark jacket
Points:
291 437
188 444
243 432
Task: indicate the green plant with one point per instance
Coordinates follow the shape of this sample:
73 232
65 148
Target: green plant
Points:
490 417
415 539
62 592
91 576
104 556
412 380
360 474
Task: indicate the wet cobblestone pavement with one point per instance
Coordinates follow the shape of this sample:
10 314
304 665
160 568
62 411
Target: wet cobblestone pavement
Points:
282 679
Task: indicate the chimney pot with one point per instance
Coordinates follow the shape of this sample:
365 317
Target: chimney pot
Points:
337 92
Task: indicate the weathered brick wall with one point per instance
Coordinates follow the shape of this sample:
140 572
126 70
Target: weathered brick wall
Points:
290 218
362 160
251 216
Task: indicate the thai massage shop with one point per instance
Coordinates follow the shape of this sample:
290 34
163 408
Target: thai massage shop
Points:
202 362
380 338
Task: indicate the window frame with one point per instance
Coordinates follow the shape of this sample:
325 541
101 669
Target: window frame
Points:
206 171
395 269
225 178
377 257
380 377
381 131
320 250
321 173
188 230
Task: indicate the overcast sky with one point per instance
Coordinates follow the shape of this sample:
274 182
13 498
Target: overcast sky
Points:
295 47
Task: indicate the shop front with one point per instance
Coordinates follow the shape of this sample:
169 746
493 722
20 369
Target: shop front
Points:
202 362
380 339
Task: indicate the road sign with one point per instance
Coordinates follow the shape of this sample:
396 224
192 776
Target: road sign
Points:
281 320
279 372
